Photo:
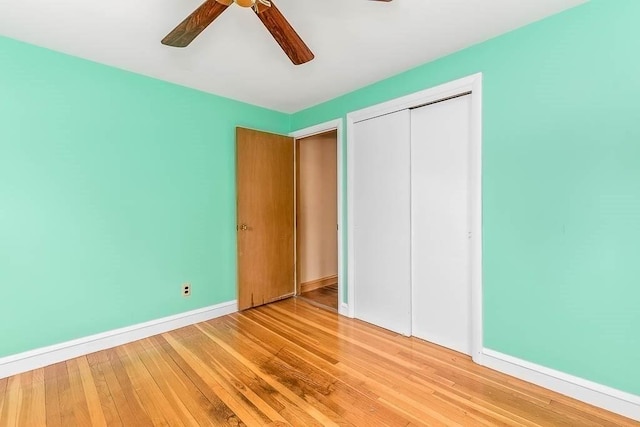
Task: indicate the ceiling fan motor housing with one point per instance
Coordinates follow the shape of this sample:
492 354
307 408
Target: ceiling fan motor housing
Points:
245 3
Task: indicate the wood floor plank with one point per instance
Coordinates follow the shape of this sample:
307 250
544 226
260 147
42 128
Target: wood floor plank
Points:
79 396
353 401
230 381
24 408
101 389
180 391
36 415
243 352
12 402
52 402
326 296
368 333
65 397
287 380
405 405
211 384
3 393
244 373
94 405
129 407
154 403
288 363
126 402
300 339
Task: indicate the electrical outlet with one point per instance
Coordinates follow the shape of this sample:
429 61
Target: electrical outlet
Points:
186 290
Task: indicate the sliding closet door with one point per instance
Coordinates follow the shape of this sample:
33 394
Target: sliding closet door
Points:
381 221
440 222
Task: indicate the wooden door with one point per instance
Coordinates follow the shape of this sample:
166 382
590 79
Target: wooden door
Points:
265 197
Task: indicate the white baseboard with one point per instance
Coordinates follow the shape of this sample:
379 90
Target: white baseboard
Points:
343 309
38 358
605 397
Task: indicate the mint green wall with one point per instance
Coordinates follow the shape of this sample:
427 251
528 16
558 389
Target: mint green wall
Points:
114 189
561 185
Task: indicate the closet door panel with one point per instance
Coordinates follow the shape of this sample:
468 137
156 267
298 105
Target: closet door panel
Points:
440 222
381 221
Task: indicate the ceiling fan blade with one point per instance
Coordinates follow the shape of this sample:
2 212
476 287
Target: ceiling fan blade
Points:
194 24
296 49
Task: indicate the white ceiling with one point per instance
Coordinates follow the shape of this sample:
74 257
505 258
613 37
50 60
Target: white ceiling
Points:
356 42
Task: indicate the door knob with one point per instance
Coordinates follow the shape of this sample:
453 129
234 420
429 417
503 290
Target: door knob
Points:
243 227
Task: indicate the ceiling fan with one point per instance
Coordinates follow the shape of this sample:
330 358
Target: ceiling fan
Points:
290 42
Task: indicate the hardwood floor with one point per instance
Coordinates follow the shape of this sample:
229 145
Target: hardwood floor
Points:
286 363
326 296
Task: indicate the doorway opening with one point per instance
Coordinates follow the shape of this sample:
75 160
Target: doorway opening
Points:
317 219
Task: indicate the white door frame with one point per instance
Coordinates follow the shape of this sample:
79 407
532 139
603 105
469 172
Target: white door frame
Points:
336 125
472 84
